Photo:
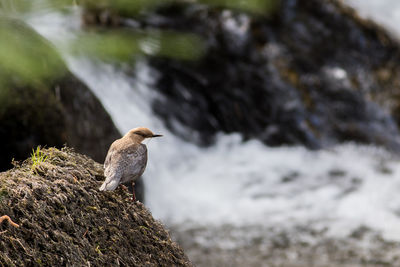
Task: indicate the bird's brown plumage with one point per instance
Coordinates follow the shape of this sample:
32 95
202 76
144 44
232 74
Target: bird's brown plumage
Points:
126 159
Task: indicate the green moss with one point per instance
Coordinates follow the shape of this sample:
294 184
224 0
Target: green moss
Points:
39 262
91 208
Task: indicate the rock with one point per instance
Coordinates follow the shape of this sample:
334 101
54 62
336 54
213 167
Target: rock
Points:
64 220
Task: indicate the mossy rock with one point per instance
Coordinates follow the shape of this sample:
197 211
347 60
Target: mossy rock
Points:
64 220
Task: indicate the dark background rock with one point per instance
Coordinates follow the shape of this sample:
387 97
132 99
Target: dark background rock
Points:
313 73
64 112
32 117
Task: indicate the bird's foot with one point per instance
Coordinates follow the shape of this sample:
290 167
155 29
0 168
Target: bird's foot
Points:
133 196
123 187
133 192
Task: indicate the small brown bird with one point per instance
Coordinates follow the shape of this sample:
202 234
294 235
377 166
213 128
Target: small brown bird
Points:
126 159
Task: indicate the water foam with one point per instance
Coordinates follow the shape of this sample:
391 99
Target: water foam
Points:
384 12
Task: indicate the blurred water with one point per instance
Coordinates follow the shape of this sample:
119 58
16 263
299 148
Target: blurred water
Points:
384 12
236 182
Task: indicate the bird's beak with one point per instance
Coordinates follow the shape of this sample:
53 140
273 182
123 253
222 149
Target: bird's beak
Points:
157 135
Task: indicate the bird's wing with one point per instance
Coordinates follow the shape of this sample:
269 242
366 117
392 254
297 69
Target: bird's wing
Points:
136 160
136 151
109 156
111 182
113 169
111 160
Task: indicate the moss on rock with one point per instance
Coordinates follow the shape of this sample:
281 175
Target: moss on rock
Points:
65 221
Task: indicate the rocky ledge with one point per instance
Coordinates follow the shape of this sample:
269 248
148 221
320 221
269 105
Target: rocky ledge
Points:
61 219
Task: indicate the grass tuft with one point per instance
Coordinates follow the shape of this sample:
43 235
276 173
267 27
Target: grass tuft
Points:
38 157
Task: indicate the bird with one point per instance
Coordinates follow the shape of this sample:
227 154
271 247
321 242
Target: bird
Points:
126 159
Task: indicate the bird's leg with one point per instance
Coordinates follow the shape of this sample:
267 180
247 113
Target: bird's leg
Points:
133 192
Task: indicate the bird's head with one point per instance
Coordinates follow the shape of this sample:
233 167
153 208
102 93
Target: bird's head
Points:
142 133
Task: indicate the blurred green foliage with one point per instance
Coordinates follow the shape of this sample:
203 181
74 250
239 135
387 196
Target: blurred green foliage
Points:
26 58
134 7
261 7
8 7
129 7
125 7
125 45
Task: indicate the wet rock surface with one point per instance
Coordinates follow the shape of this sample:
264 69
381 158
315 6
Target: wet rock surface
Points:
257 246
65 221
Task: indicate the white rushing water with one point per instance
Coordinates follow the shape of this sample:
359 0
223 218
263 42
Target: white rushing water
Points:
384 12
236 182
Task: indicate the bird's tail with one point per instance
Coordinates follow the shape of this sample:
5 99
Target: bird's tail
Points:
103 186
109 184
